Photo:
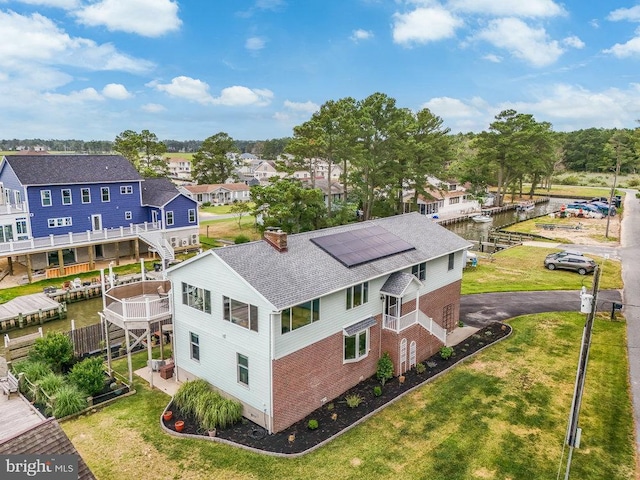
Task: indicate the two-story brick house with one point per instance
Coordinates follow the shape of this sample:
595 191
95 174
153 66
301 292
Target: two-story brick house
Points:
288 323
57 210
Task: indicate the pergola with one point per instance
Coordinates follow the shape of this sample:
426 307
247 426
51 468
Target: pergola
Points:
139 308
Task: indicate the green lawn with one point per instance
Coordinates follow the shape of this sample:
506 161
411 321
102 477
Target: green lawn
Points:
499 415
522 269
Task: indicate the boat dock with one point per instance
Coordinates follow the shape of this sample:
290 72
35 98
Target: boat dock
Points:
34 309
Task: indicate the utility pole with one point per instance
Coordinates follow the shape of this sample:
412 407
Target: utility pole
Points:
588 305
613 188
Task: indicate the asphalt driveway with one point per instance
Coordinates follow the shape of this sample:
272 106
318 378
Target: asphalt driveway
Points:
484 308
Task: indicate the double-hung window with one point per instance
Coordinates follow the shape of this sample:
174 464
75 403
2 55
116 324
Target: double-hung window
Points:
169 215
126 190
86 195
243 369
192 215
194 342
45 198
66 196
451 260
105 194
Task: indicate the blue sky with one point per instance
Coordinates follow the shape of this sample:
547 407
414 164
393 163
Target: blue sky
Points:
90 69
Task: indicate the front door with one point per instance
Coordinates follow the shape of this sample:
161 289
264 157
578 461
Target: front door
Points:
96 222
392 306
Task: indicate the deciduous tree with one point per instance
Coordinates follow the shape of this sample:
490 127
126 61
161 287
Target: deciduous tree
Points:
213 162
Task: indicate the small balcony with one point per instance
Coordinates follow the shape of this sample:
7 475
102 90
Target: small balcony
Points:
138 304
397 324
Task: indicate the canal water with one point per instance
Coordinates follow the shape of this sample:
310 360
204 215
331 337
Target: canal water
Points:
471 230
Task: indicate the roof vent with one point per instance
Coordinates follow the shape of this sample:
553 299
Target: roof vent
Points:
276 238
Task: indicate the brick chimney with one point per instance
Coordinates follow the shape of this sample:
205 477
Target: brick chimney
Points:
277 239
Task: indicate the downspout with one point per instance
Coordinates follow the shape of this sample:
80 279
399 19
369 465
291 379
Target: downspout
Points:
272 325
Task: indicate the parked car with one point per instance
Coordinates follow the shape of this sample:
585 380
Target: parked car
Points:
599 199
570 261
564 253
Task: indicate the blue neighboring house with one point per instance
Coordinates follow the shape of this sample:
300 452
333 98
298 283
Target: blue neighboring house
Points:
62 210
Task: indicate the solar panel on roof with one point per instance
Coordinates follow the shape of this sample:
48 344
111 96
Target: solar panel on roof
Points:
362 246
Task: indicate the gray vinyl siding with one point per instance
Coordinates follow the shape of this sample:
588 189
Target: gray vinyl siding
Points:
220 340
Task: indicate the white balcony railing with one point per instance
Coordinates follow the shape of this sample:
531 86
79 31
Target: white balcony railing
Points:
75 239
397 324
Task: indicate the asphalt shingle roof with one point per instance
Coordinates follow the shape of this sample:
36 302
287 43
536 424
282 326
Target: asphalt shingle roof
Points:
158 191
397 283
305 271
68 169
46 438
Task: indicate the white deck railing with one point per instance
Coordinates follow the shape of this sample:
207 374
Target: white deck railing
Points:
436 330
397 324
80 238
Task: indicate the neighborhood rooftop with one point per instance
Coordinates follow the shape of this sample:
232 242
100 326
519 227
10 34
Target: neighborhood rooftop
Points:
305 271
72 169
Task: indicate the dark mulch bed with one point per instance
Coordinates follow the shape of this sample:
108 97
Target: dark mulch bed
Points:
249 434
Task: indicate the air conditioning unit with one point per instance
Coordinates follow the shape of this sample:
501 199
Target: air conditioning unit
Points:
194 239
184 242
173 241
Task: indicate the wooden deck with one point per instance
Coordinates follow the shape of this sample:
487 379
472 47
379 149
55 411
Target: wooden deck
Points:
27 304
17 415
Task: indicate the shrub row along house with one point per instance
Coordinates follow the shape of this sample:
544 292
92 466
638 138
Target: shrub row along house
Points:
60 210
291 322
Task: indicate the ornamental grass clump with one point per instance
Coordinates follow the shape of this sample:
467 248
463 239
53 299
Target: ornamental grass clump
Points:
208 407
34 370
186 398
67 401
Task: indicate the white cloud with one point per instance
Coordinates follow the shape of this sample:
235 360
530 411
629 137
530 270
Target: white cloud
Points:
574 42
491 57
149 18
198 91
295 112
186 87
522 41
306 107
241 96
424 25
254 43
508 8
153 108
447 107
116 91
37 41
361 34
625 50
631 14
64 4
74 98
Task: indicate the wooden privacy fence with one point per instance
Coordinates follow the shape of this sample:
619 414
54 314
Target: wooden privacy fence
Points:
88 340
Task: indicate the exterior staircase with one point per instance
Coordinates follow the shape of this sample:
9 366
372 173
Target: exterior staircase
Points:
156 241
432 327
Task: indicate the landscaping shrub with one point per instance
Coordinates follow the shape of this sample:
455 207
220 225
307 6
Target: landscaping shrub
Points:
32 369
420 368
88 375
67 401
313 424
241 239
210 409
377 390
446 352
353 400
187 395
55 349
51 383
385 368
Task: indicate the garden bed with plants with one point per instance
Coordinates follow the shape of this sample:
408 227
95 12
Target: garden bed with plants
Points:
59 384
341 413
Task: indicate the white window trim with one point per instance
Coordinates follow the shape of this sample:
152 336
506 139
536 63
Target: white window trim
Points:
42 197
191 344
82 190
126 190
102 190
238 366
63 197
358 357
167 215
128 215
